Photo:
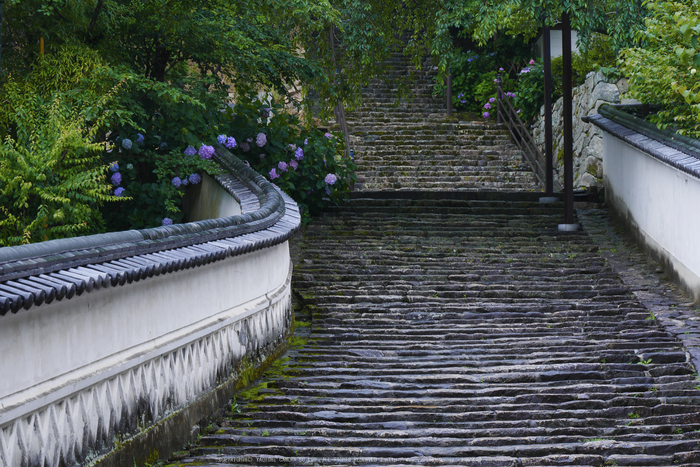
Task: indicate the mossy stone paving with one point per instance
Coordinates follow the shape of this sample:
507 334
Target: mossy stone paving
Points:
409 143
462 332
458 327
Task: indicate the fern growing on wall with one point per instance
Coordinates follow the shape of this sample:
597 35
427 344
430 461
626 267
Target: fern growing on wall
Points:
52 179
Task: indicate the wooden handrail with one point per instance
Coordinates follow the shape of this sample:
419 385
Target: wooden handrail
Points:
519 134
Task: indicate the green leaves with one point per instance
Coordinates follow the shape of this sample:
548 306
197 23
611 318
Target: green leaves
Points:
51 179
665 70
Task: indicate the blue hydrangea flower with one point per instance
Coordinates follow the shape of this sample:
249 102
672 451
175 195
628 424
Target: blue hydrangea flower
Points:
273 174
283 166
116 179
205 152
119 191
185 182
230 142
221 139
331 179
140 139
190 151
195 178
176 181
163 145
299 154
114 167
167 221
261 139
129 166
126 143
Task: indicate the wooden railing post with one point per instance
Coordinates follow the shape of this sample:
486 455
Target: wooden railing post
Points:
499 94
449 94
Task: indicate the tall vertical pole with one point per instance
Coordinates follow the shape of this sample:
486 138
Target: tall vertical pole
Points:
567 115
449 93
549 185
1 4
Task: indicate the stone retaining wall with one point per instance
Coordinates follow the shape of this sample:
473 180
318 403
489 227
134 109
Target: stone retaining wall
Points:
588 140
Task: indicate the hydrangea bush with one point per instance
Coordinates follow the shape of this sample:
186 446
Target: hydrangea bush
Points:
307 164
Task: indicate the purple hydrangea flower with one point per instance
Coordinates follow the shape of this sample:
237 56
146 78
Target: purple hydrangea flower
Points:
293 164
126 143
247 163
116 179
492 100
265 112
283 166
245 147
462 102
195 178
261 139
495 80
532 62
230 142
299 154
176 181
167 221
114 167
306 141
525 70
262 156
205 152
469 60
487 115
328 135
119 191
190 151
273 174
292 147
328 191
221 139
250 140
487 106
140 139
460 95
500 69
331 179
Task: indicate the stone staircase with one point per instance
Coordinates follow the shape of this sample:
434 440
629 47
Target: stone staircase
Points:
463 331
412 145
442 320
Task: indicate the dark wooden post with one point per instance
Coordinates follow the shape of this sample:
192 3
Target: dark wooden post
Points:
449 94
499 97
549 184
567 115
1 4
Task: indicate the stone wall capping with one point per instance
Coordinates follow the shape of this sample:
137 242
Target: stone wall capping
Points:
57 269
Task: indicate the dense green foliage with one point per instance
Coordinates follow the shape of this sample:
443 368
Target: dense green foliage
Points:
147 80
307 164
51 177
665 70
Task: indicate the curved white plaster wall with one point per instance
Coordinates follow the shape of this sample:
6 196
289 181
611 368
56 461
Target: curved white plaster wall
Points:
660 201
71 339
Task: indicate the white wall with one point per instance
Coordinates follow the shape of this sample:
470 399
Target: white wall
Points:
660 203
555 45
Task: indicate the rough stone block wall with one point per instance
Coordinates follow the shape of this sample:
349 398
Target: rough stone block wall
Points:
588 139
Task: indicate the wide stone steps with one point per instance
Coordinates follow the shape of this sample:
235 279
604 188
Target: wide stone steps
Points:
463 330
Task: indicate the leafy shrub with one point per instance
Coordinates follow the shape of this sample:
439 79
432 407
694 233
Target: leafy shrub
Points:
307 164
52 182
665 70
